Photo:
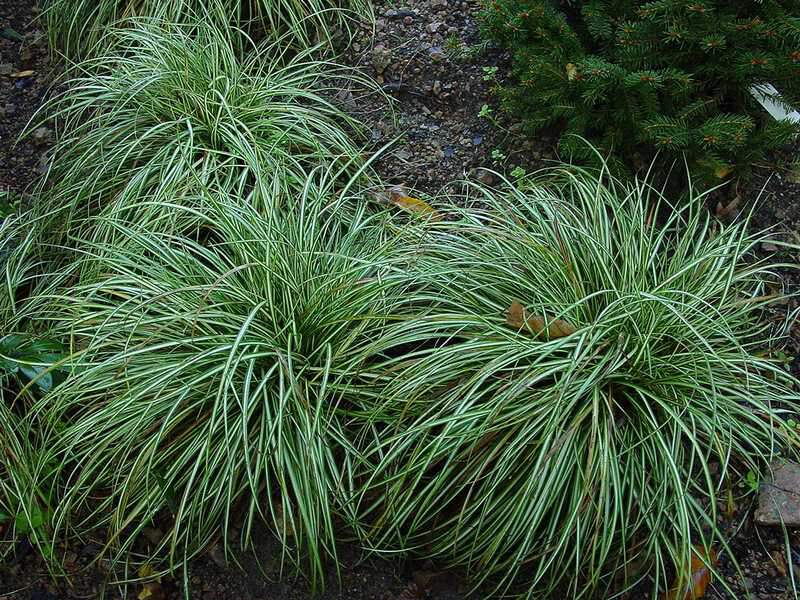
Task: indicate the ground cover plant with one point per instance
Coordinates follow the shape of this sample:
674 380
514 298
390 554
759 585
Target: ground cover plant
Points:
173 109
29 367
203 395
77 27
635 77
207 329
583 356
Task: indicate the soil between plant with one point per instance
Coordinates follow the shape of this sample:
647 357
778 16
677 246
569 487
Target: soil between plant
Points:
424 55
21 96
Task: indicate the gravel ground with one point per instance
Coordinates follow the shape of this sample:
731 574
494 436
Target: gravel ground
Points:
426 54
23 51
443 124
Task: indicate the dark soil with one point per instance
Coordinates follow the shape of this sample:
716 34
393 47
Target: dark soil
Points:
210 577
21 94
443 125
426 55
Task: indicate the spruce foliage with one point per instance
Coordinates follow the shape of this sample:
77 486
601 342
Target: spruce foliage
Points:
636 77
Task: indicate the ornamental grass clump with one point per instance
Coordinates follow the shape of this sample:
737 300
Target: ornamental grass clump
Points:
584 375
77 27
174 109
26 372
207 389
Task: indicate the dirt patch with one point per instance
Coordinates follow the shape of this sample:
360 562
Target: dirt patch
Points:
427 55
25 76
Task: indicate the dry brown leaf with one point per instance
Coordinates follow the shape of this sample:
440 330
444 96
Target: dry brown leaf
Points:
152 591
700 577
780 562
413 205
728 210
730 506
146 571
20 74
396 196
722 171
519 318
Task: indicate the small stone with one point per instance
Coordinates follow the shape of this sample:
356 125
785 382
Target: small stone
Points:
436 53
437 87
41 135
485 177
408 20
434 27
381 58
769 247
390 14
6 68
779 499
217 555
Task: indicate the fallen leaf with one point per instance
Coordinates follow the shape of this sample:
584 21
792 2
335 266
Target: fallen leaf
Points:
572 72
397 197
722 171
726 210
411 204
21 74
780 562
414 205
700 577
730 507
519 318
152 591
146 571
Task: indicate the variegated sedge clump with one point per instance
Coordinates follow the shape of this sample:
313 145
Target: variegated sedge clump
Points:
208 373
27 366
77 28
574 367
173 109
